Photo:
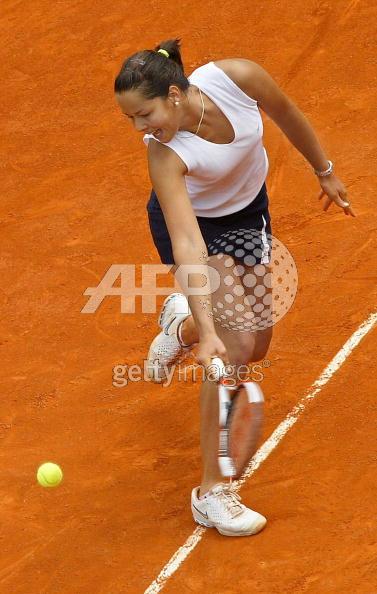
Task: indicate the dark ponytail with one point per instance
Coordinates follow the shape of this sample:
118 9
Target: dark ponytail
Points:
152 73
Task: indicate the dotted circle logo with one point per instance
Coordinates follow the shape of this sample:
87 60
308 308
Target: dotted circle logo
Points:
258 280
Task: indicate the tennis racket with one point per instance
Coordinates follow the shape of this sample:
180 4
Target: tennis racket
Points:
240 422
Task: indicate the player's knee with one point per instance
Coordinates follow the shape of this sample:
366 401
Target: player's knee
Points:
261 345
241 355
252 346
259 353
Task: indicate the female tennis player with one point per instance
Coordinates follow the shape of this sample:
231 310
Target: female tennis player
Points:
208 167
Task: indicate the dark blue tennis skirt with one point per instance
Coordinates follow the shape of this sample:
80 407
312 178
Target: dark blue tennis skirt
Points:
245 235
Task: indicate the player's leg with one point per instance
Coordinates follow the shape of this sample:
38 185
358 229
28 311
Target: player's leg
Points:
213 503
242 347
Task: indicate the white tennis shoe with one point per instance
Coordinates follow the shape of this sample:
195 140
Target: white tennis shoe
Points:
220 508
166 348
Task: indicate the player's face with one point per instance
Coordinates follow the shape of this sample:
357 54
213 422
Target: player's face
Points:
156 116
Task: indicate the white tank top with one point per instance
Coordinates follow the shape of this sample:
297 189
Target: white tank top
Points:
223 178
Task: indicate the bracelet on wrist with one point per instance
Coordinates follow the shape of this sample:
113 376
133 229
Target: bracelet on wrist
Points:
328 171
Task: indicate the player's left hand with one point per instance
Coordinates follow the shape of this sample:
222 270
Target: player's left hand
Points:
334 191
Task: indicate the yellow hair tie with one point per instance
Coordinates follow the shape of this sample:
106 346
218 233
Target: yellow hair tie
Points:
162 51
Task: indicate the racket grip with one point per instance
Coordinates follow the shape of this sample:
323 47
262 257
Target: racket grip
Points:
220 366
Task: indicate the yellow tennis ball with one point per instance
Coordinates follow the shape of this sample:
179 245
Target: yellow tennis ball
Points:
49 475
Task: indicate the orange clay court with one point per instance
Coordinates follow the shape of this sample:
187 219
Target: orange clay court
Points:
74 189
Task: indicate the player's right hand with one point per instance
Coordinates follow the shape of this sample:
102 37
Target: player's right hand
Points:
210 345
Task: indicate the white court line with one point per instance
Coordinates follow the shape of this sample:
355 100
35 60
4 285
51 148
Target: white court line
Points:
265 450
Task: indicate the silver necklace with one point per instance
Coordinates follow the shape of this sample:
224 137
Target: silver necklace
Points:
201 119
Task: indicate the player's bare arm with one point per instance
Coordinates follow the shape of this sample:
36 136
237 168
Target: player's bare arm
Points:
256 82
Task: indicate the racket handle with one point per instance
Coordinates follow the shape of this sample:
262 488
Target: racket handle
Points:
220 366
222 374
